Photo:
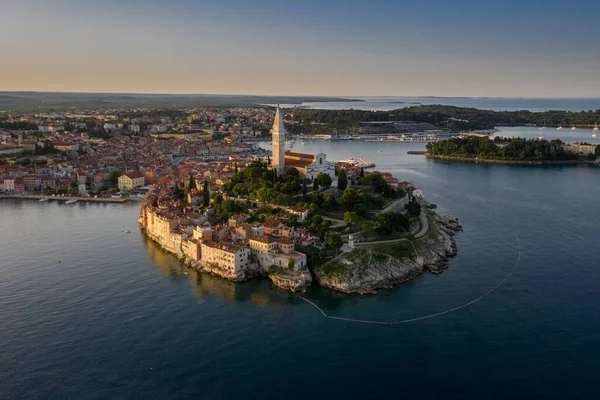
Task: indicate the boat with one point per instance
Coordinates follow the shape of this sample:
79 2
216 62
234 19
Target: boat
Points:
71 201
43 198
559 127
573 127
595 127
303 144
380 151
126 231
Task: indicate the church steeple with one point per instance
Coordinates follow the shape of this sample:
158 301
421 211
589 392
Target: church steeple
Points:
278 134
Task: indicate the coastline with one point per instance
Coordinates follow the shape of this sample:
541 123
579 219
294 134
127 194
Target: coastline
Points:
66 198
366 270
295 281
511 162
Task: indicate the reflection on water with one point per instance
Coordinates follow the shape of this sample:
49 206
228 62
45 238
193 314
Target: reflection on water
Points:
259 292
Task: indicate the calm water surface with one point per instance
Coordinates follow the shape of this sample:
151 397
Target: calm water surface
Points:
484 103
88 312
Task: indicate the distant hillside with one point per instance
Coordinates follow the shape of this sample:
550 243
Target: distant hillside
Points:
51 101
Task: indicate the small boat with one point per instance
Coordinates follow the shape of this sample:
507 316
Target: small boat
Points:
126 231
380 151
573 128
303 144
559 127
43 199
71 201
595 127
186 273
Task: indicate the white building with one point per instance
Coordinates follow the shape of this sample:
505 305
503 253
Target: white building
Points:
270 250
232 258
310 166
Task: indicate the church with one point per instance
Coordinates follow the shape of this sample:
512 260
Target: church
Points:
308 165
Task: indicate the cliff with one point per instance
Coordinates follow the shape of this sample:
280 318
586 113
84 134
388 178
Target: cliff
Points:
290 280
367 269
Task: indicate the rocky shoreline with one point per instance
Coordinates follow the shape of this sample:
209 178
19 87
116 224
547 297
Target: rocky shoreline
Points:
372 271
366 277
295 281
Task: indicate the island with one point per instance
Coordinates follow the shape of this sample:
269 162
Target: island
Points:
499 150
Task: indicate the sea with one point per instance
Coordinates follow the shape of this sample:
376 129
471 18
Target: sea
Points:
89 311
484 103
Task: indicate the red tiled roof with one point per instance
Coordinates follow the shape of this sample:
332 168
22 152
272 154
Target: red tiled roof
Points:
297 163
299 155
264 239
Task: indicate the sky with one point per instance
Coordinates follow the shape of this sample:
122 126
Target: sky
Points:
525 48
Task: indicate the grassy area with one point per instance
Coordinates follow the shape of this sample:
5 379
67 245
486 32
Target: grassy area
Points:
396 250
335 267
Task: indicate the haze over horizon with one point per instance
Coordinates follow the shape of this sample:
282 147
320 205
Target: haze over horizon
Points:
377 48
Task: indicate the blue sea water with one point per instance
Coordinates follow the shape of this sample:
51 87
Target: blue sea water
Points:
485 103
89 312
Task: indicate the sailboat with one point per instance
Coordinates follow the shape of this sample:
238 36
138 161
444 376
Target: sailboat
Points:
595 130
540 136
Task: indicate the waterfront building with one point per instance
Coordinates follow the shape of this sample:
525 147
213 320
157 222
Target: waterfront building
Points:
580 148
270 250
233 259
128 182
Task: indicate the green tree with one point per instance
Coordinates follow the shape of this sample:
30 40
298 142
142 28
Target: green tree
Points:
113 178
192 183
333 241
235 169
349 199
413 208
342 180
291 263
205 194
324 180
351 218
315 184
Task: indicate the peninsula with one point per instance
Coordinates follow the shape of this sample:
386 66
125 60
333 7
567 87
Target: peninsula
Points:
298 217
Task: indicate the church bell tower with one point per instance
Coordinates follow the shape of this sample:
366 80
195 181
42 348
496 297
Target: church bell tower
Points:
278 133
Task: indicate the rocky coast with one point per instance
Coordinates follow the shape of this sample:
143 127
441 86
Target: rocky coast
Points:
367 269
295 281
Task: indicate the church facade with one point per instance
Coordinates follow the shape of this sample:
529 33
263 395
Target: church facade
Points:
308 165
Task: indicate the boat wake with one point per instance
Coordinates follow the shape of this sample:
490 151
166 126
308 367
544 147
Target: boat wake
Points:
428 316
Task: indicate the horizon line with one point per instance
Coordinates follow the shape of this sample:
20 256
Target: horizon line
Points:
296 95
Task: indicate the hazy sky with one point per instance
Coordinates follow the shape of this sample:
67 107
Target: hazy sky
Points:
328 47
